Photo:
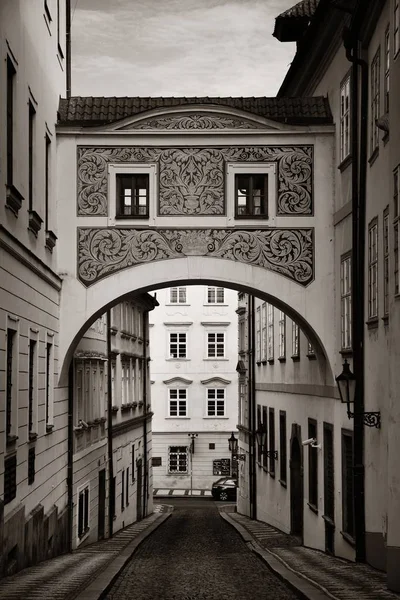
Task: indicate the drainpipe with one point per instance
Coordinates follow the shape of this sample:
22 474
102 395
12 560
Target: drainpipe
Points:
70 452
145 367
359 112
252 412
111 507
68 46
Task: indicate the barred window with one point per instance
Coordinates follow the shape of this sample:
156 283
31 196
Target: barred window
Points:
178 460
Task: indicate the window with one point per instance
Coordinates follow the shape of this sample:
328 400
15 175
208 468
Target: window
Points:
345 301
47 181
295 340
396 26
271 436
178 460
127 486
31 465
122 490
11 377
258 335
310 350
60 51
215 295
216 402
386 262
270 327
177 345
215 345
177 295
11 72
133 462
264 332
251 192
373 270
396 198
49 385
32 385
345 119
31 151
312 466
375 100
132 196
125 381
177 402
259 426
347 483
10 478
264 426
387 70
282 446
282 335
83 511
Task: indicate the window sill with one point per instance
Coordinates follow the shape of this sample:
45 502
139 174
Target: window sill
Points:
49 427
177 359
283 483
51 240
385 138
345 163
176 474
385 320
180 418
295 357
311 356
177 304
258 363
32 436
264 362
35 222
312 507
11 440
216 417
218 358
346 352
373 156
270 361
13 199
328 520
83 535
282 359
372 323
349 539
131 217
272 474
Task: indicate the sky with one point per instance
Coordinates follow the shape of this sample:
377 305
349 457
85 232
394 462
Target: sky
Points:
177 47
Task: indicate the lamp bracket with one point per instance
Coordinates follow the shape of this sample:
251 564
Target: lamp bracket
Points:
270 453
370 419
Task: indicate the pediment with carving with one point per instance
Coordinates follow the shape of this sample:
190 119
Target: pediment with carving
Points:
195 121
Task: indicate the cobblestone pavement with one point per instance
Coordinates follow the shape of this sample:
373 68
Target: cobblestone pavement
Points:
343 580
63 577
195 555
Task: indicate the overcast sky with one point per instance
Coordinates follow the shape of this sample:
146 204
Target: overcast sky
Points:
177 47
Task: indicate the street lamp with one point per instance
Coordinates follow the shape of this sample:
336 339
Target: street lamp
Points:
233 447
346 382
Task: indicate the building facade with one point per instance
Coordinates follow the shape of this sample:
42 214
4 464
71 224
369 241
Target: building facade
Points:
194 385
33 430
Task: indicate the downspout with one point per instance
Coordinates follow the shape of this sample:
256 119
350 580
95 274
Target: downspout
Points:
70 453
252 413
68 46
111 507
359 112
145 367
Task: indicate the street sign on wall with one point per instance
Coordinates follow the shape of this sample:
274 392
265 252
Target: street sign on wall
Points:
222 466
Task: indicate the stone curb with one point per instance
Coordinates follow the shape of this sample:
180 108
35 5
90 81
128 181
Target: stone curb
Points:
304 587
100 586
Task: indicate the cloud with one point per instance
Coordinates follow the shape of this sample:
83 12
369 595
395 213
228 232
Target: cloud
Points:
179 47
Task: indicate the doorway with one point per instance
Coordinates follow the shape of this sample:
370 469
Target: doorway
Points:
296 489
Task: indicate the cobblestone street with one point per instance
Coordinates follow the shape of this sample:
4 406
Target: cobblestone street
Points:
195 555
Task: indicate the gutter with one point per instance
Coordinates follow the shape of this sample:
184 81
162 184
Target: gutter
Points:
111 491
145 367
70 454
252 412
359 122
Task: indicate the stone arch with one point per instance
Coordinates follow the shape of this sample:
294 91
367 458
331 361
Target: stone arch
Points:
81 306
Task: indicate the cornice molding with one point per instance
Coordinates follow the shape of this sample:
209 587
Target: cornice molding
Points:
216 380
178 380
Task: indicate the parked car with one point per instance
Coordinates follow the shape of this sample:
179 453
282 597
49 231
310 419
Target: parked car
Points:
224 489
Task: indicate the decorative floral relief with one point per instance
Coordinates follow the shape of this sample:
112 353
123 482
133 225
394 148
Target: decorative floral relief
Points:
195 121
103 251
192 179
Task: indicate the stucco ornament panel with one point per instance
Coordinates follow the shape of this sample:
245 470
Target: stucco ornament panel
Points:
192 179
104 251
195 121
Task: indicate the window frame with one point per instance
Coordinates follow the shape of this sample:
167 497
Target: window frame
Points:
345 117
10 110
270 333
134 196
386 261
215 291
263 168
295 341
179 289
345 301
150 169
282 447
271 440
258 335
386 86
312 466
373 270
250 198
375 91
84 492
178 344
282 336
264 332
12 378
347 483
178 400
216 344
216 400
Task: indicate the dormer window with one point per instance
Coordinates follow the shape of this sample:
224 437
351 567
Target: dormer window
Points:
251 196
132 196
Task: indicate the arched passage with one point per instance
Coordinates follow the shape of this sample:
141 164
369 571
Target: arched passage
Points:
80 306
